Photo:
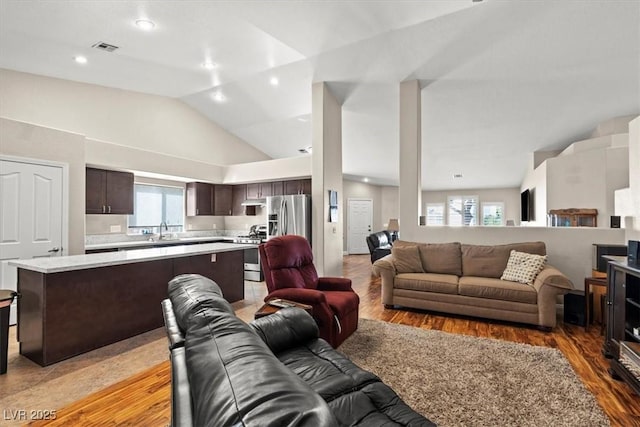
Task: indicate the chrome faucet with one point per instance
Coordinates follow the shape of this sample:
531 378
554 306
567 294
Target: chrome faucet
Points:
165 227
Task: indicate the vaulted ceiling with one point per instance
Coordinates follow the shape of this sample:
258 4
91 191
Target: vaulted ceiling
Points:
501 79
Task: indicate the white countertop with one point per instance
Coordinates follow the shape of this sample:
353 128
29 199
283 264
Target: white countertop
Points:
105 259
164 242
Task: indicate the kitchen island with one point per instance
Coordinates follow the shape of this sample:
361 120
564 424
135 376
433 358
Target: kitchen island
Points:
73 304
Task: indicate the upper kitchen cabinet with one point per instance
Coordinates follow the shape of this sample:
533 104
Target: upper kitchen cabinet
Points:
277 188
108 192
259 190
209 199
297 186
199 199
222 199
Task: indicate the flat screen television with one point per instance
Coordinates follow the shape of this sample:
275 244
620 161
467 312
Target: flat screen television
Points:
525 205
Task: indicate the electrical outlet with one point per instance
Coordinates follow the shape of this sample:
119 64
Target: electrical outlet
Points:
189 226
215 225
115 229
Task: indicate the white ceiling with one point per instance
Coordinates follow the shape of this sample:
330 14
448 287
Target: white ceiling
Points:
501 79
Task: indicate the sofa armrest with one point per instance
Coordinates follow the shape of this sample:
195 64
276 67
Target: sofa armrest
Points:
386 270
551 276
550 283
334 284
382 264
287 328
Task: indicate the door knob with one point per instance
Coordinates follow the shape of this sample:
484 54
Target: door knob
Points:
56 249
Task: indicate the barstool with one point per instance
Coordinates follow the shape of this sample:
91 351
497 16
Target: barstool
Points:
6 298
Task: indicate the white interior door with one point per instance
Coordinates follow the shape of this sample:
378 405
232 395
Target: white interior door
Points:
360 225
30 216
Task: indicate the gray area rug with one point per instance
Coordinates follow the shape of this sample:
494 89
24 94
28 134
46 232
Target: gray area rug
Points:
456 380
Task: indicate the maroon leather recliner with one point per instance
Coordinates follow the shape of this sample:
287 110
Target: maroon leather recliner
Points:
287 263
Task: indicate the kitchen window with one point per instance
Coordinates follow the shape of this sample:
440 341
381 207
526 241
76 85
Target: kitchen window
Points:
463 210
154 204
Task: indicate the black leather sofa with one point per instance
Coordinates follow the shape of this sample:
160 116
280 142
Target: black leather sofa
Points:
273 372
379 244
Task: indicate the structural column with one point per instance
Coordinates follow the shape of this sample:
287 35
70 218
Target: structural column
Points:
326 175
410 193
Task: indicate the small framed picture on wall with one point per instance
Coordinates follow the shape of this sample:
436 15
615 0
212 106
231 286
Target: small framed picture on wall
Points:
333 206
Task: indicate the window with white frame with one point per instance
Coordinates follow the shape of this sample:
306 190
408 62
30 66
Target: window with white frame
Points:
493 213
435 213
462 210
155 204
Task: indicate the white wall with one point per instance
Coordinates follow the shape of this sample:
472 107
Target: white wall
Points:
326 175
146 122
633 231
36 142
269 170
390 204
115 156
587 179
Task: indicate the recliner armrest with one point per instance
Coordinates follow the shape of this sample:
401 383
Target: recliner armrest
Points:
334 284
301 295
286 328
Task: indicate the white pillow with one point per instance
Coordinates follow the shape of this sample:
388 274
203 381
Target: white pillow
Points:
523 267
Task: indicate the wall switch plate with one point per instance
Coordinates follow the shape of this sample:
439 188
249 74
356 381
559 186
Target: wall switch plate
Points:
115 229
215 225
189 226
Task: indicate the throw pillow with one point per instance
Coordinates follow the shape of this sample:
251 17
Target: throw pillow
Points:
406 259
523 267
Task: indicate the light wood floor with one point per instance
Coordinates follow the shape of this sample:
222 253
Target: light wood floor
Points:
144 399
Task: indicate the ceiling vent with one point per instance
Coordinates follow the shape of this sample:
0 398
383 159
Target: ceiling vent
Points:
105 46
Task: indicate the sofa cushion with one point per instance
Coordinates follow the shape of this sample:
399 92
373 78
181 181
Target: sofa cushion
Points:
406 259
523 267
491 261
428 282
484 287
442 258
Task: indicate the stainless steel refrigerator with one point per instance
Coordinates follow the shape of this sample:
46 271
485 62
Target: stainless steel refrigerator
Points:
289 215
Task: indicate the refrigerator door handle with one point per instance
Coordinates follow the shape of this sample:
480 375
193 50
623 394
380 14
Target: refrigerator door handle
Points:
285 215
280 219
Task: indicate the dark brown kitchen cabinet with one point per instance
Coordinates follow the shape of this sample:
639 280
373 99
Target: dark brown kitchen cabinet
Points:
297 186
222 199
108 192
239 195
277 188
199 199
259 190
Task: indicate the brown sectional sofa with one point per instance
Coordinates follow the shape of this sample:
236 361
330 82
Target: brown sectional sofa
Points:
465 279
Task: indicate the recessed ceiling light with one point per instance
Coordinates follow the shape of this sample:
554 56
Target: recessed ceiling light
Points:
209 65
80 59
366 179
274 81
145 24
218 97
